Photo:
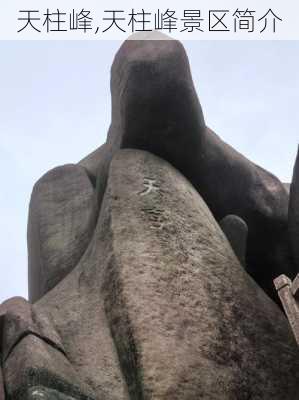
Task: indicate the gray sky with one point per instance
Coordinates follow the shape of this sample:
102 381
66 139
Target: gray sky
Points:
55 109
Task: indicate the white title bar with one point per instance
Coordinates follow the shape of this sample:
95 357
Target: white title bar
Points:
117 20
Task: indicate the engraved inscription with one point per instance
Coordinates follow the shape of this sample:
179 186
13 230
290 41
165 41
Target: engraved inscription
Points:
150 185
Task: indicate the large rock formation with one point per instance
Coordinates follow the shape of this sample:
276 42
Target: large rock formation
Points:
188 302
158 307
135 290
155 108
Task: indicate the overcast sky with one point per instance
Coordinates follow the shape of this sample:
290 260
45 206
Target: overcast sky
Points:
55 109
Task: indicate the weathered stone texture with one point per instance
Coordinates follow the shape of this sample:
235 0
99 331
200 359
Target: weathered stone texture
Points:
155 108
137 292
159 306
34 362
38 393
2 394
62 217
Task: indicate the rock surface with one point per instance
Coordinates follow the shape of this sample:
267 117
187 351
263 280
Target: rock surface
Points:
236 231
182 311
2 394
156 73
34 362
155 108
19 320
294 213
37 393
158 307
186 320
137 291
77 310
62 217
